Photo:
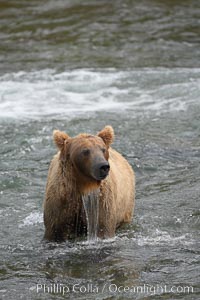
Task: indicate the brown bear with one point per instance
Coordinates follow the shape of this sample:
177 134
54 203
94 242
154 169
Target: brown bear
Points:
87 163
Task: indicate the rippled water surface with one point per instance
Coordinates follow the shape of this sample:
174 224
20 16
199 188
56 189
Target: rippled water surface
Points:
78 66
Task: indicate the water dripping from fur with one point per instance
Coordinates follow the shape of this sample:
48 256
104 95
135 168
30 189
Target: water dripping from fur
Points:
91 206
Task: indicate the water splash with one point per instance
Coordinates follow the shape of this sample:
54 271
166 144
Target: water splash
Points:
45 93
32 219
91 206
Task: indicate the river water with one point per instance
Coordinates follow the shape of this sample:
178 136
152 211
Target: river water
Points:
78 66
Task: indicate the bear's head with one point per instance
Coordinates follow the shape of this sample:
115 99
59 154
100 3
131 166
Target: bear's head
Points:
88 154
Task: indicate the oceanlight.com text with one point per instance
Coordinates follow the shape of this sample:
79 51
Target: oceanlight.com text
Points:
111 288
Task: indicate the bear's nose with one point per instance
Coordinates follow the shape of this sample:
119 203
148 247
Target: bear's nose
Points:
101 170
104 169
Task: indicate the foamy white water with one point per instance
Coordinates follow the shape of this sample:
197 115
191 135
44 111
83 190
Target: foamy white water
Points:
48 94
159 237
32 219
91 207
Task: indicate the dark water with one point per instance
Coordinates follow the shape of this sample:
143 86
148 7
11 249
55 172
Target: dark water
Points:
78 66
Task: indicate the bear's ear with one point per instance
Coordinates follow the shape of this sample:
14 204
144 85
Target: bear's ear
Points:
107 135
59 138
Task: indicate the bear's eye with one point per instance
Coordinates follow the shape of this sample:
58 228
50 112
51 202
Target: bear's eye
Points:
103 150
86 152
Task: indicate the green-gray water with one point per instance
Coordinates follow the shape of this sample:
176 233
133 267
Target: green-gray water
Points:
78 66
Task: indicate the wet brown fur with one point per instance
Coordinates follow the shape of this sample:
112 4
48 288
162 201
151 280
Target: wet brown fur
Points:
64 215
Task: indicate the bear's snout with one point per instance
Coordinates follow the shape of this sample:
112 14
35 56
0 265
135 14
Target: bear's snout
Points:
101 170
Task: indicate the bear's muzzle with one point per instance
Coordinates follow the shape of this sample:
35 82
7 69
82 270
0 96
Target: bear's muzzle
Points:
101 170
